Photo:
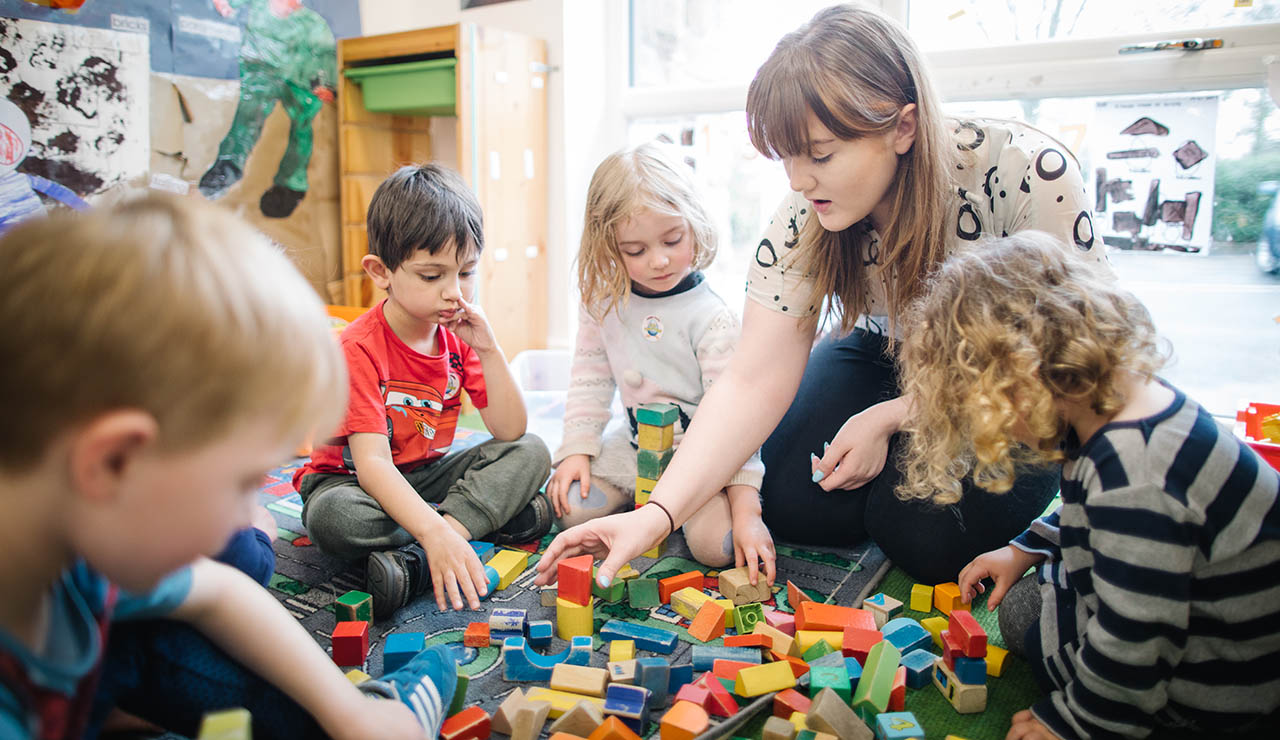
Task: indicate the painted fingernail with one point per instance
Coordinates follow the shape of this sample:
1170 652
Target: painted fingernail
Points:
825 445
818 475
813 459
604 581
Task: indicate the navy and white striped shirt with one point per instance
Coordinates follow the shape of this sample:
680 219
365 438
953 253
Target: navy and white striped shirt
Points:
1162 584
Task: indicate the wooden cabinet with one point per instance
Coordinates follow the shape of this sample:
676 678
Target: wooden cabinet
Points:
497 140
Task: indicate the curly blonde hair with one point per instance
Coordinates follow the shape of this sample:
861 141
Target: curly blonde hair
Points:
649 176
1005 331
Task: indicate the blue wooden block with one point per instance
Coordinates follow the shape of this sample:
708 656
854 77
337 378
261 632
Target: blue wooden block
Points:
399 649
507 619
906 634
498 637
540 632
971 670
484 550
680 675
654 674
492 580
704 656
653 639
898 726
521 663
854 669
630 704
919 665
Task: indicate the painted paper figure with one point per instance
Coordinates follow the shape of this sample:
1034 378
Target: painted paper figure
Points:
19 191
289 55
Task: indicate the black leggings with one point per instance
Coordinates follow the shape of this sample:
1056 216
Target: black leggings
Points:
931 543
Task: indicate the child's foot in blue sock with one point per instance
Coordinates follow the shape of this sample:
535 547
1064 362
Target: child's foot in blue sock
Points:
425 684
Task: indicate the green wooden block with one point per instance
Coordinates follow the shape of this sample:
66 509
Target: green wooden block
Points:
806 735
613 594
746 617
642 593
651 463
817 650
657 414
831 677
459 695
354 606
872 695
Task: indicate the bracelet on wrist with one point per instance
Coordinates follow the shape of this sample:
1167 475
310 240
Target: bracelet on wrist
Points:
670 519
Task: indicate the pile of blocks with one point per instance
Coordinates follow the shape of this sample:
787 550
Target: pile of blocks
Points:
655 437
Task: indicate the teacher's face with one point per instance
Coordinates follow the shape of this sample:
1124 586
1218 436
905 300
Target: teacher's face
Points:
847 180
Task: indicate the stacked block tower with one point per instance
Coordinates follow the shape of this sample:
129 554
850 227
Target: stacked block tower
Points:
961 673
655 432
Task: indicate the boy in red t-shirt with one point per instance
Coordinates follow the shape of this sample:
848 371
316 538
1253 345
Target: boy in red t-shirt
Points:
368 491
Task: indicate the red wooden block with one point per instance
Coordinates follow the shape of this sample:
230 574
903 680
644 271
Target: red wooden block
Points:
720 702
798 666
471 723
695 694
789 701
752 640
668 586
612 729
898 695
811 615
725 668
573 578
858 642
795 596
971 636
951 649
350 643
476 635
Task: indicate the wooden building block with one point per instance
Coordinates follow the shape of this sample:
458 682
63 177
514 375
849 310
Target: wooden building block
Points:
354 606
579 679
830 678
506 712
657 414
817 650
898 694
728 612
950 649
754 640
350 643
228 724
573 620
704 657
898 726
651 462
476 635
746 616
630 704
919 665
642 593
564 736
872 695
789 701
684 721
612 593
728 669
762 679
795 596
644 489
812 616
613 728
709 622
995 660
547 595
798 666
806 639
681 676
781 621
857 643
459 695
735 585
934 626
777 728
946 597
621 650
668 586
697 694
626 573
830 713
906 634
573 579
520 663
529 719
720 702
965 698
973 639
653 639
921 598
472 723
687 601
509 564
654 674
539 632
656 551
778 641
799 721
622 671
507 620
581 719
399 648
357 676
883 607
560 701
970 670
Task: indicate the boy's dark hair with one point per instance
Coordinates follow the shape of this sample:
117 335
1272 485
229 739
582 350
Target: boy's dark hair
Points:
423 207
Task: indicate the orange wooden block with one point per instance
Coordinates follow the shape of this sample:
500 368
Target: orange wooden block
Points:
751 640
898 695
725 668
795 596
668 586
564 736
471 723
709 623
798 666
811 615
476 635
684 721
788 702
612 729
573 579
946 596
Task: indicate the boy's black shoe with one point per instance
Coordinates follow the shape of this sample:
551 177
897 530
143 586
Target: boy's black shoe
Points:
395 577
531 524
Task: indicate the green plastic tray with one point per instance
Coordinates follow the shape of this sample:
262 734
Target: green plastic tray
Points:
410 89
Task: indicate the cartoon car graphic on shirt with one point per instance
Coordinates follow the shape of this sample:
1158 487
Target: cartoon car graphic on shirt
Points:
418 403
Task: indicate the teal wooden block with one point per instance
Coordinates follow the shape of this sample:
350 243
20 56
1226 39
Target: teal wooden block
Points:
657 414
704 657
653 639
655 675
399 649
651 463
521 663
830 677
642 593
354 606
898 726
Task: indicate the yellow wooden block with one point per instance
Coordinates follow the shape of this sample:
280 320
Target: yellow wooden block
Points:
644 487
229 724
357 676
509 564
921 598
561 701
573 620
934 626
783 643
687 601
761 679
579 679
798 719
621 650
656 551
728 612
626 573
995 660
806 639
650 437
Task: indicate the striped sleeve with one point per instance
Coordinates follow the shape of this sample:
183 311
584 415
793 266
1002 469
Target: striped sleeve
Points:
1041 537
591 389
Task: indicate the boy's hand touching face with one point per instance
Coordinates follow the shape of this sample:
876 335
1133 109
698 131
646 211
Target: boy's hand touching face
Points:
456 571
472 327
1025 726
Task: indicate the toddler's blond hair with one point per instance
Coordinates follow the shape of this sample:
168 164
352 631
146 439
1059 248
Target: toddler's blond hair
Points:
169 306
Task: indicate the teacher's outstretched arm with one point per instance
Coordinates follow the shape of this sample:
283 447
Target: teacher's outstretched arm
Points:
738 412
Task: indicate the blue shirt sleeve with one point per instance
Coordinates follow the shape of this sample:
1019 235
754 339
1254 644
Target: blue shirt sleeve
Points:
158 602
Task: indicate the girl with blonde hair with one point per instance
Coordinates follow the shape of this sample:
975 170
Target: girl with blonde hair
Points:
1151 610
650 326
884 188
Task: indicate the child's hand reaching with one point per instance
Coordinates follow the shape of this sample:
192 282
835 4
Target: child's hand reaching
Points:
573 467
1004 566
472 327
752 545
1025 726
456 571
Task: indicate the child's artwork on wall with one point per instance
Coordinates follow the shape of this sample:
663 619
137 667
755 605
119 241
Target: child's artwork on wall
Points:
73 118
1153 172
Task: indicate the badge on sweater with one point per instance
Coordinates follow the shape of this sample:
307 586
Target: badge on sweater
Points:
652 328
